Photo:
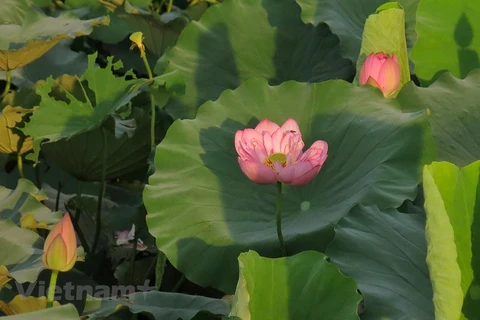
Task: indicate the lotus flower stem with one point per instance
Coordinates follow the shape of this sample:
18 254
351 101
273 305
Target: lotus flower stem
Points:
51 288
98 217
76 219
179 283
279 219
77 199
57 199
170 5
7 84
20 166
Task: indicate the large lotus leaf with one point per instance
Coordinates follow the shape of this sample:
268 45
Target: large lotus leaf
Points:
346 19
452 203
448 38
125 154
204 212
156 305
65 312
237 40
454 114
304 286
63 118
385 251
27 34
25 200
21 251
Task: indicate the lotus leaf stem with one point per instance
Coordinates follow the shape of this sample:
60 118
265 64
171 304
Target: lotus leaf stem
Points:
98 217
152 100
143 54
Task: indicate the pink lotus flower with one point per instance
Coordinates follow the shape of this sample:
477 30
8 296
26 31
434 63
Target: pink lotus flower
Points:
381 71
271 153
126 237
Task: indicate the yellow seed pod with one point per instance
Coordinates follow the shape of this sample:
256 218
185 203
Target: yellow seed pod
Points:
137 39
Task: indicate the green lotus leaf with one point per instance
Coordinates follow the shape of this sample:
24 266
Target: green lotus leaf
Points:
385 251
303 286
448 38
125 154
156 305
454 114
80 105
238 40
21 252
204 212
346 19
452 204
25 200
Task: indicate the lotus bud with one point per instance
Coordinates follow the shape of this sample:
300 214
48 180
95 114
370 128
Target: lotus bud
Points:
381 71
60 249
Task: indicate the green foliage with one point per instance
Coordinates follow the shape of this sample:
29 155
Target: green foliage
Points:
83 95
80 107
204 212
448 38
384 252
346 19
157 305
452 206
21 252
128 153
303 286
25 199
238 40
454 115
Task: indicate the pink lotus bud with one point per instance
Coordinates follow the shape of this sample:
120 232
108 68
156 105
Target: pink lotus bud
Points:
381 71
270 153
60 249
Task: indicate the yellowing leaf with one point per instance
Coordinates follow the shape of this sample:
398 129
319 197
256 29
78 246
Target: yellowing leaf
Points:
28 221
4 276
9 117
21 304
